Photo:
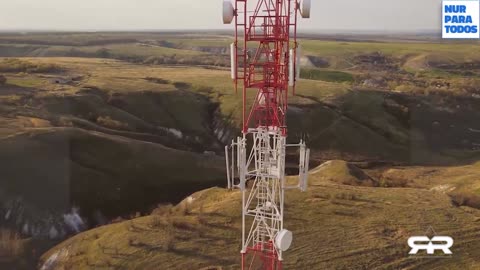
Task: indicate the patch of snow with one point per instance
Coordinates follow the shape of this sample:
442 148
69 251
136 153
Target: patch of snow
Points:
51 262
177 133
74 221
53 233
219 133
25 229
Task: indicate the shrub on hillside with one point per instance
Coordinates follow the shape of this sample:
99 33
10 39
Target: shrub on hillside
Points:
460 198
157 80
103 53
3 80
393 182
17 65
182 85
163 209
108 122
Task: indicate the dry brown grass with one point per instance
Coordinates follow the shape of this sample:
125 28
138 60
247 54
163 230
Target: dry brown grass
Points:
18 65
108 122
163 209
336 226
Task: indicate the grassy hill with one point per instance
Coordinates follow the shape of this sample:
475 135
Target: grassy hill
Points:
336 226
200 104
102 121
399 64
194 109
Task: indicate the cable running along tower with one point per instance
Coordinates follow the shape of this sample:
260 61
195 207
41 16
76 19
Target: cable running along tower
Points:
265 60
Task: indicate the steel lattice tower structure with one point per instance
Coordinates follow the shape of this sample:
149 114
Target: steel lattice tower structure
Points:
265 59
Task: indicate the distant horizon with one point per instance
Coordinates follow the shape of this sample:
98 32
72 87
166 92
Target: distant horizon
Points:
388 16
305 31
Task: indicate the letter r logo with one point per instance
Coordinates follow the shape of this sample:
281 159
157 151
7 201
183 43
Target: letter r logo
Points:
443 243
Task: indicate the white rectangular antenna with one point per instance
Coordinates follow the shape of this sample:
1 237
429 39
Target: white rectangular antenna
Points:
233 66
297 66
291 68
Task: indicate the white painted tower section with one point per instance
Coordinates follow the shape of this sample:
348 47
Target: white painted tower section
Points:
264 199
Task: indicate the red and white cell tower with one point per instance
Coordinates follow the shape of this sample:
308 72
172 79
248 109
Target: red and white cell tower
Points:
265 60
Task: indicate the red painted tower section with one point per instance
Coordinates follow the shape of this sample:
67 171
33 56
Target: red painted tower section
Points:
265 31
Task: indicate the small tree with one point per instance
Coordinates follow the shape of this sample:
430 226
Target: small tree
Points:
102 53
3 80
